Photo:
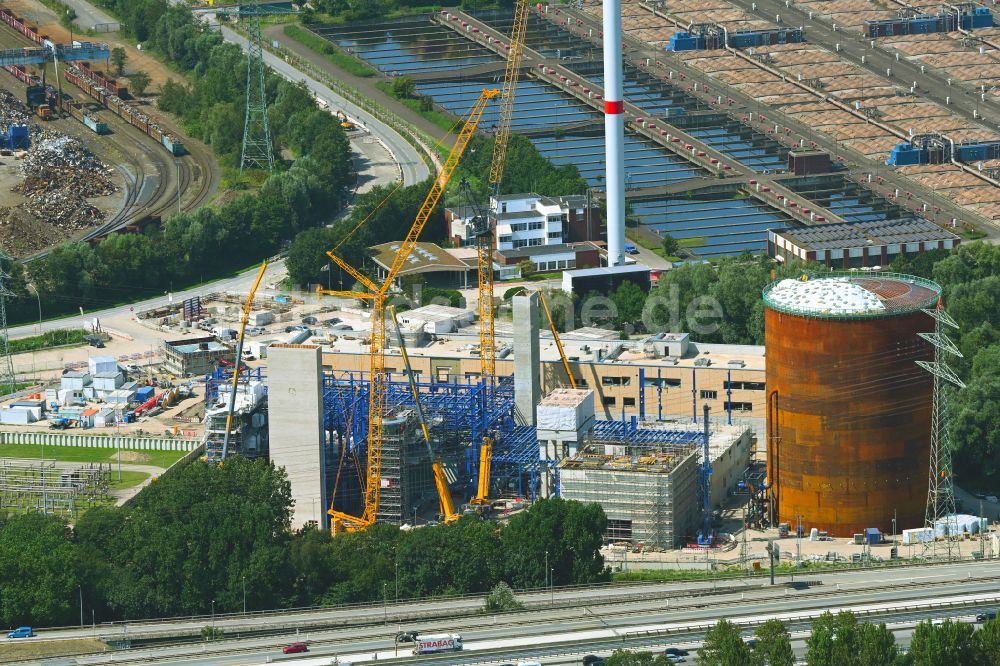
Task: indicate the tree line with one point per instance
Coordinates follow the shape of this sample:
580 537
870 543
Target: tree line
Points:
191 247
218 532
839 640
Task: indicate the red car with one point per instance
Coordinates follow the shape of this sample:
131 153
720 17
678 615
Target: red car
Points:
295 648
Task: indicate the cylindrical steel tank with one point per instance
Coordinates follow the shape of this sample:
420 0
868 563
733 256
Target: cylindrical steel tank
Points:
848 408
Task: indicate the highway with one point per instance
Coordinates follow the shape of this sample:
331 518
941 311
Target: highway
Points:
574 621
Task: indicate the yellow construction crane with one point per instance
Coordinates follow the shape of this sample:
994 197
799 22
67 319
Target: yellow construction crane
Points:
485 241
247 307
440 480
376 295
555 336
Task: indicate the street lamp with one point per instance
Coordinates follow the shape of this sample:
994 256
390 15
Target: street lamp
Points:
385 603
213 619
396 566
244 593
80 588
33 289
546 568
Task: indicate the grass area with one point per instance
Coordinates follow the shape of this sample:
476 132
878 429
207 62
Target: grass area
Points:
442 120
33 650
129 479
657 248
539 277
696 241
58 338
736 571
85 454
348 63
973 234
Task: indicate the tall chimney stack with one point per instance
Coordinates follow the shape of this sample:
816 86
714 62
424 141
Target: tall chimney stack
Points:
614 131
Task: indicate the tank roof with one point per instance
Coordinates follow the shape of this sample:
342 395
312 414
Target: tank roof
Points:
851 295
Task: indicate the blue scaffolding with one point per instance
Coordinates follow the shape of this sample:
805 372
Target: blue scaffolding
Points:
463 410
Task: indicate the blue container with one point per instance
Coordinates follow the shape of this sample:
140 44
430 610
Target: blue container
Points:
145 394
873 536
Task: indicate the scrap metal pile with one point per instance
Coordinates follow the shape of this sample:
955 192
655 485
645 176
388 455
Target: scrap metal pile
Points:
58 175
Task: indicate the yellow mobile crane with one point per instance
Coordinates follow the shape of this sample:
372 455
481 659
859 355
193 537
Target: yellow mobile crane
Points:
485 241
555 336
376 295
440 480
247 307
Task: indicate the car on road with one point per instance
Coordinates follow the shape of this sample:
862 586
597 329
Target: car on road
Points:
676 659
751 643
675 652
631 249
21 632
407 636
592 660
986 616
295 648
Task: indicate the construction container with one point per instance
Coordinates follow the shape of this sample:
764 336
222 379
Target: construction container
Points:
873 536
846 446
144 394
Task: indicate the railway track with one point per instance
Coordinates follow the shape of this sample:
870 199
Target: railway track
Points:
153 179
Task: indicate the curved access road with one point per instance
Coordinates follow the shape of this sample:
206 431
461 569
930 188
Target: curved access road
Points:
413 168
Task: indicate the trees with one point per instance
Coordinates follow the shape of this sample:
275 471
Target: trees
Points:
876 645
501 599
567 533
629 300
946 643
630 658
670 245
404 87
724 646
39 571
118 59
196 536
774 645
138 82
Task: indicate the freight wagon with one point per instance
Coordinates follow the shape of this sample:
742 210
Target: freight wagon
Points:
124 111
99 79
11 19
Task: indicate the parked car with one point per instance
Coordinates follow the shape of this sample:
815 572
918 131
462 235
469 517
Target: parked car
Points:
676 659
21 632
295 648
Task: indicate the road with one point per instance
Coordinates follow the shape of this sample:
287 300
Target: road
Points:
596 616
413 167
87 15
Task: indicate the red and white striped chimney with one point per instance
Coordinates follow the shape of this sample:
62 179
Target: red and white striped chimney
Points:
614 132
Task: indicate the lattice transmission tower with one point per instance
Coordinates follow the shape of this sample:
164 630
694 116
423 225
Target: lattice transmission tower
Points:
8 381
257 153
940 491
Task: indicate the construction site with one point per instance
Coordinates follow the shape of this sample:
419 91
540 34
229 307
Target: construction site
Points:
741 135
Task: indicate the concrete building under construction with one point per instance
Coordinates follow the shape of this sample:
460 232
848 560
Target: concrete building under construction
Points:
848 408
647 479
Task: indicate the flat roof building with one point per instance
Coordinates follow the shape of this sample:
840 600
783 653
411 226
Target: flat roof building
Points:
194 356
859 245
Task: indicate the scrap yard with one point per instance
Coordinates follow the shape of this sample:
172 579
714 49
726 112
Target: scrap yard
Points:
94 160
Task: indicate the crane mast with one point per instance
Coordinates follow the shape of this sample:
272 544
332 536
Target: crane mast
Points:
485 241
376 296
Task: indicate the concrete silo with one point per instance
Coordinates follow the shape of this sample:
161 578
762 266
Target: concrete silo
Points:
848 408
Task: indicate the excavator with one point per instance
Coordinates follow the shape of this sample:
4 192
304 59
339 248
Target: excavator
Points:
447 505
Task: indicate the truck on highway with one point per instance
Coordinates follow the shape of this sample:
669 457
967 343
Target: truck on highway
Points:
438 643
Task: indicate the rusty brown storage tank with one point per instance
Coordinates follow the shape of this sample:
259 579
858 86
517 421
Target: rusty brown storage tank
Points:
848 408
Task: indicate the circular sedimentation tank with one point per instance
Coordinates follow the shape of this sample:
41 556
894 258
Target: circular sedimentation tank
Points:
848 408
